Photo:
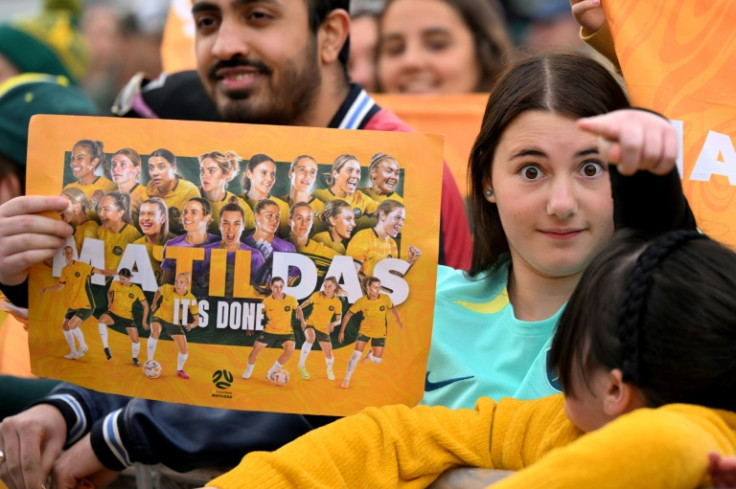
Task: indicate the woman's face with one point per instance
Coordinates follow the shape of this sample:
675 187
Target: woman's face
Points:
344 223
123 170
262 177
329 288
374 289
346 179
124 280
150 218
193 217
111 216
393 221
211 175
231 227
181 282
301 221
553 194
82 163
303 175
268 219
161 171
426 47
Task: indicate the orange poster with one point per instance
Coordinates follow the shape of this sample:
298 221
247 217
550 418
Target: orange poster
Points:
677 58
226 290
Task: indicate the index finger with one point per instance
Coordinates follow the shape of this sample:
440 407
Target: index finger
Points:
33 204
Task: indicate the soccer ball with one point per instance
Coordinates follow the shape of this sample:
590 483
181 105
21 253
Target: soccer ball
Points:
152 369
280 377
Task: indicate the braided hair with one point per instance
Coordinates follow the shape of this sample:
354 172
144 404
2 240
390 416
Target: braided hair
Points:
661 310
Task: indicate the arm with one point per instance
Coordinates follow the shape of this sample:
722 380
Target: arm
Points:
646 187
146 311
102 271
195 322
594 29
301 313
722 470
335 323
395 311
53 288
110 295
345 322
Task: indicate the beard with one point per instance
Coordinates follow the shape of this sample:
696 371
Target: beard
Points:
284 100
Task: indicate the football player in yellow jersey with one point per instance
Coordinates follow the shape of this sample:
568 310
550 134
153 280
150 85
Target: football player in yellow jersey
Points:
326 314
340 220
373 328
278 308
116 229
125 168
176 309
302 175
165 183
343 182
75 278
86 160
258 181
385 176
77 215
216 170
120 299
153 220
302 218
370 246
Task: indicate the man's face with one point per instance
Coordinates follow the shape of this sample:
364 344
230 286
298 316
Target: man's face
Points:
257 59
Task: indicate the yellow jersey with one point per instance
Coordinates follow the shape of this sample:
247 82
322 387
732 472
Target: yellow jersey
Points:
115 243
374 324
137 195
94 192
284 226
380 198
175 200
320 254
368 249
155 264
323 310
77 285
279 312
88 229
123 298
326 239
361 204
168 302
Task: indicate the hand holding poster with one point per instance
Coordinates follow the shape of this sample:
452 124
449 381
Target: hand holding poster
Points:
211 262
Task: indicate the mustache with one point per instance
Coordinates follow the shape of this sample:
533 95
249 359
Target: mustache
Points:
237 61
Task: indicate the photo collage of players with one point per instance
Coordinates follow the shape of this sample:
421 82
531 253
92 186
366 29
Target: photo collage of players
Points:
205 248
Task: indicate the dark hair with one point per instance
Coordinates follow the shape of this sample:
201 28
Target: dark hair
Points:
337 165
232 207
255 160
263 203
370 279
565 84
276 279
206 206
318 11
487 24
165 154
96 152
125 272
297 205
122 202
387 206
333 208
161 204
663 311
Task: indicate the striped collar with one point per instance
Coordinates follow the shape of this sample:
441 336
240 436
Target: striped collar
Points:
355 112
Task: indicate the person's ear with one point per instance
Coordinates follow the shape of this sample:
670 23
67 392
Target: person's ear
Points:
621 397
9 187
332 35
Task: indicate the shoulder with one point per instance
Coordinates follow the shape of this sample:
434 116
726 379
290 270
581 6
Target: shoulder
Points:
385 120
453 283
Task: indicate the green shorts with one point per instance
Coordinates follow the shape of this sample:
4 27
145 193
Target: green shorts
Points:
319 336
121 321
82 314
272 339
374 341
170 328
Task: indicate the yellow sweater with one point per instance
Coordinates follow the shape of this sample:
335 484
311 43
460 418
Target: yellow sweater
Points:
397 446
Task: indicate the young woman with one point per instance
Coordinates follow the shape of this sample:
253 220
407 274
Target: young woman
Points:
301 217
278 308
153 221
87 164
258 182
374 327
540 201
302 175
441 46
385 175
121 296
264 239
165 183
77 215
116 228
216 170
195 219
370 246
325 316
340 220
125 167
343 181
175 309
644 352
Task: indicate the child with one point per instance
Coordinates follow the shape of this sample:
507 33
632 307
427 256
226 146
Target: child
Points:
650 327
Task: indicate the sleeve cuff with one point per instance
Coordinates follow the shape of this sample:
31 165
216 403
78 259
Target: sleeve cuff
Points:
107 442
74 413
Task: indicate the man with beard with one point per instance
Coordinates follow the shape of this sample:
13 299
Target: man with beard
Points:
273 62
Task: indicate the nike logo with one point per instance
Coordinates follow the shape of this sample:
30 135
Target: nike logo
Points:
432 386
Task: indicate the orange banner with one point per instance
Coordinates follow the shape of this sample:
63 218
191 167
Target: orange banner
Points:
232 313
677 59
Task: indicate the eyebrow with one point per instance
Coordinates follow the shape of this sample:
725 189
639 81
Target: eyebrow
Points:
535 152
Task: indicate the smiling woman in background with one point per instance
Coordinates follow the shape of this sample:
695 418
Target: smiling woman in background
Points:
441 46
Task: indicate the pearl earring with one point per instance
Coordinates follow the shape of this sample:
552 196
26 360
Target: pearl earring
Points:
489 192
